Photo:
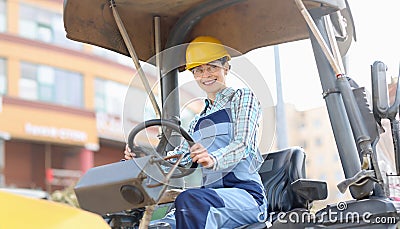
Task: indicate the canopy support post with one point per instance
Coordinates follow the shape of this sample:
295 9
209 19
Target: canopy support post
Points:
348 134
157 47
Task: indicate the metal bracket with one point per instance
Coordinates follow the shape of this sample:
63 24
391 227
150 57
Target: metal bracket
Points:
359 179
330 91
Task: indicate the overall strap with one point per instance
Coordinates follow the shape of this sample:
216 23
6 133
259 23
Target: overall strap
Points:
227 105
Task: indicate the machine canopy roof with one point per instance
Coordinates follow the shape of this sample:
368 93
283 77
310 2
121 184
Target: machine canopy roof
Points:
243 25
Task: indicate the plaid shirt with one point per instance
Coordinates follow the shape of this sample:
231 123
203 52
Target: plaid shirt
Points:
246 112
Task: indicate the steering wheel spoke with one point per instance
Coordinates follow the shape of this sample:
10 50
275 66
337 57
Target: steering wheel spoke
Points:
180 170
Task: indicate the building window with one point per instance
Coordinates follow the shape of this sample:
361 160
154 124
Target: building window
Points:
109 96
301 126
3 16
3 77
318 141
49 84
115 99
137 105
317 123
44 25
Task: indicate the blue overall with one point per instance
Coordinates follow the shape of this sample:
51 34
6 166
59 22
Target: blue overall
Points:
228 198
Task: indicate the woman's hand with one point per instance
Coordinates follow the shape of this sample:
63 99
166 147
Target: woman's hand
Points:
128 154
200 155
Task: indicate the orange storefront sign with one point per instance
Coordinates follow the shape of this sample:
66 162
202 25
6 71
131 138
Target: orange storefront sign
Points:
32 120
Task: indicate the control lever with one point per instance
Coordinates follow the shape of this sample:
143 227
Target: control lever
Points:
381 106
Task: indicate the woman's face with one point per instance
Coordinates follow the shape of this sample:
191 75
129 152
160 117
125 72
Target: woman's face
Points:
211 77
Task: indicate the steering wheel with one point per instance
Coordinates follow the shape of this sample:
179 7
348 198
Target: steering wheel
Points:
183 170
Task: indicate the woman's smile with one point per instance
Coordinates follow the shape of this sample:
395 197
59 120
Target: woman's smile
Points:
209 82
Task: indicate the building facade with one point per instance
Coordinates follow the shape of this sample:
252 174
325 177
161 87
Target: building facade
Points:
61 101
311 130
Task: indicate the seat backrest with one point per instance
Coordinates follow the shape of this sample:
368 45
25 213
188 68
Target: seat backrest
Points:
277 172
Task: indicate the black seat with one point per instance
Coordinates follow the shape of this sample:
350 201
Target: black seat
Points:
284 178
287 189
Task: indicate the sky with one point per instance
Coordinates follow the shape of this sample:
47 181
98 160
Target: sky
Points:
376 24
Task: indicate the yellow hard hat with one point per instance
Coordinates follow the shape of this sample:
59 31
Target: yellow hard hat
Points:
204 49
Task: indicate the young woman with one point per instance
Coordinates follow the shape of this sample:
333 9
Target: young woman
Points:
225 133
